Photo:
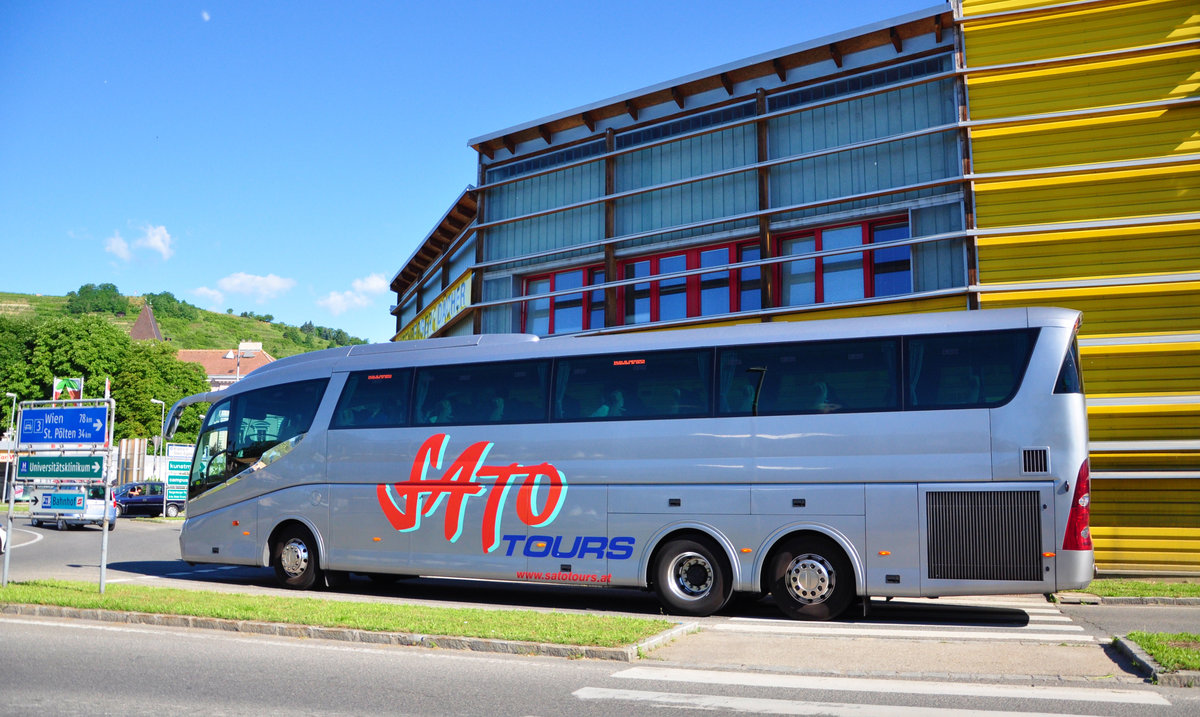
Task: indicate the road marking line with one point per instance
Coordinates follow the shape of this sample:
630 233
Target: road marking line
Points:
886 686
763 705
1013 634
36 537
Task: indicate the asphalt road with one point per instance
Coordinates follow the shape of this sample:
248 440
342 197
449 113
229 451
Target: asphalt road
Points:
927 658
1124 619
78 667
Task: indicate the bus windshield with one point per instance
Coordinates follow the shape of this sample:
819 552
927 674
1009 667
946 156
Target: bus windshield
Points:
252 430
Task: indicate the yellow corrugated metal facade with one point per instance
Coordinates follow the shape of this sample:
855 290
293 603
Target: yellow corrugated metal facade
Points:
1084 131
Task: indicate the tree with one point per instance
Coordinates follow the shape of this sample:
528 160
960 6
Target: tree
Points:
151 370
96 350
88 346
92 299
16 343
165 304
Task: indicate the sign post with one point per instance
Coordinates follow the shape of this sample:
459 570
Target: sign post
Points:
179 466
46 432
9 485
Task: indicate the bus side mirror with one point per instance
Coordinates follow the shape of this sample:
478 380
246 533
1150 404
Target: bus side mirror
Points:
172 421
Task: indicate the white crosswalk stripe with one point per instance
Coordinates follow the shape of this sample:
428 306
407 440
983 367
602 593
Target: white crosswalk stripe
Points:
716 679
937 633
890 686
1032 620
765 705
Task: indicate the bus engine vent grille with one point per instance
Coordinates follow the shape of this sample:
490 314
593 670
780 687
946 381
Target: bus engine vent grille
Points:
984 535
1035 461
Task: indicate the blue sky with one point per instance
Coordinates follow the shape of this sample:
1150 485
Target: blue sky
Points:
286 158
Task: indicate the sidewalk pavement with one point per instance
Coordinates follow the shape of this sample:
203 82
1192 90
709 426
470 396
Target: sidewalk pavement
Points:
686 644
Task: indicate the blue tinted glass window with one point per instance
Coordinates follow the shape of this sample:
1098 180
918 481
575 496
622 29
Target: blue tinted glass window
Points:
967 370
374 399
668 384
811 377
470 394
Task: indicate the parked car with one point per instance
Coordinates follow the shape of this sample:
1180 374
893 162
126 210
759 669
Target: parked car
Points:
145 499
92 514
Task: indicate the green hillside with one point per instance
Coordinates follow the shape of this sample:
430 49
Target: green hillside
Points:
194 328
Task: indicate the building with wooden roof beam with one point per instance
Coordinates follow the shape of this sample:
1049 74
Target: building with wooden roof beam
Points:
985 153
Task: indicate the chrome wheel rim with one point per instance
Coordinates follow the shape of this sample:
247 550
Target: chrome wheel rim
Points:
691 576
294 557
810 579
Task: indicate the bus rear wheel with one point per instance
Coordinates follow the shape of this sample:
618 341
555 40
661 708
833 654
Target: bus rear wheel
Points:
690 578
294 557
811 579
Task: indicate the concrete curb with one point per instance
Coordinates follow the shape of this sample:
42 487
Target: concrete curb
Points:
1089 599
1144 662
627 653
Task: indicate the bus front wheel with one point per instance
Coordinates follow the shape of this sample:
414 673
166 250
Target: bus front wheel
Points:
690 578
812 579
294 557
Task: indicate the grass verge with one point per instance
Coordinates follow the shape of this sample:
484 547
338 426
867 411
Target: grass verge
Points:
523 625
1142 588
1173 651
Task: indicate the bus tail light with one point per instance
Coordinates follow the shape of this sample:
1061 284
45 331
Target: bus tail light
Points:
1079 532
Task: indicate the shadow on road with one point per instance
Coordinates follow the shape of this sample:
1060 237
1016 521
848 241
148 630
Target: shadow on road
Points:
485 593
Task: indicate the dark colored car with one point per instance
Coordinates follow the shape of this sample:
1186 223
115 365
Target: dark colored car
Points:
145 499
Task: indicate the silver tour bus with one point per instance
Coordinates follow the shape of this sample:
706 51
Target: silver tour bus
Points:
819 461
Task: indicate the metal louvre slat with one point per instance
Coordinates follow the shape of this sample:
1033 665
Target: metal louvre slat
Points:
984 535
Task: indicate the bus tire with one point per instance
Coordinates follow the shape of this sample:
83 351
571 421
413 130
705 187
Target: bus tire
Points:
811 579
294 557
691 578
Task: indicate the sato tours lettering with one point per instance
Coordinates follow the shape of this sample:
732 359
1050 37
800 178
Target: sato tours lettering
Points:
406 502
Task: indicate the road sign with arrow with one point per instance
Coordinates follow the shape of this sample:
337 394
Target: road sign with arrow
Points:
64 467
64 424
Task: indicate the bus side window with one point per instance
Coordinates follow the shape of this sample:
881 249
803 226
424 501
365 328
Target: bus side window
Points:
1070 376
662 384
374 399
967 370
476 394
809 377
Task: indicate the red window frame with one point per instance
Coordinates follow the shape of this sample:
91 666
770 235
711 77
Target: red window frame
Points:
587 300
693 284
866 233
592 300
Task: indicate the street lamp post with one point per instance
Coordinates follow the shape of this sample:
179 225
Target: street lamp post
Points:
8 484
162 422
